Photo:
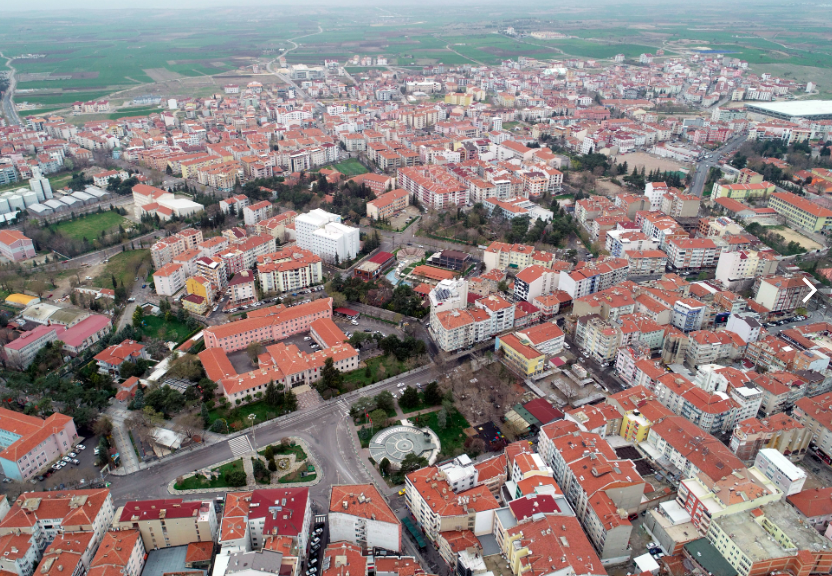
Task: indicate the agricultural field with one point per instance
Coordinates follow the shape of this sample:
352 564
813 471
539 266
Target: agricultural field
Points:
91 227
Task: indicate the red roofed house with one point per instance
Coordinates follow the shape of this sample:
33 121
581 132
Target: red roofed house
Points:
359 514
251 518
111 358
30 444
127 389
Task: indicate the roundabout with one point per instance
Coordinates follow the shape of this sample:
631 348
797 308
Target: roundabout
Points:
398 441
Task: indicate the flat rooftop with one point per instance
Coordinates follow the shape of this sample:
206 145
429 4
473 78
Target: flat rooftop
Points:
756 542
802 108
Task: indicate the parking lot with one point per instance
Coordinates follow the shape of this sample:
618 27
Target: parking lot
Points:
71 474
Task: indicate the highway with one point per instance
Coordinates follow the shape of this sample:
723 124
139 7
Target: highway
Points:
704 167
8 97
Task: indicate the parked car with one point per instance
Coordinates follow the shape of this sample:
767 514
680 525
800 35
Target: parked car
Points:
80 447
66 459
76 461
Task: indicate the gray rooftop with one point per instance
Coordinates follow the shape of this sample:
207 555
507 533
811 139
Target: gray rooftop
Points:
166 560
262 560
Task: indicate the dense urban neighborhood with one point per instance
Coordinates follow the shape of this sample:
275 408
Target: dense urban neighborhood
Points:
375 315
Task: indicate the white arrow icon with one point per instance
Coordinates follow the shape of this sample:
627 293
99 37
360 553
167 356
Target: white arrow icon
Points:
810 294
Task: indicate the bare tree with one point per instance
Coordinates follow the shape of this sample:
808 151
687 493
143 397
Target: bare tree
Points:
189 424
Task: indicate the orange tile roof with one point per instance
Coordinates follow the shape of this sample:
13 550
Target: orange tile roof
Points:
429 483
116 548
555 543
372 505
276 317
73 507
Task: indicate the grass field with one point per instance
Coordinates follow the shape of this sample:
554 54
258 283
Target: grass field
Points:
168 331
237 417
451 437
91 226
350 167
391 367
124 267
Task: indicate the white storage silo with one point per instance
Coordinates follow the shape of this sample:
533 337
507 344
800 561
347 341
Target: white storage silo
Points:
30 198
4 206
16 202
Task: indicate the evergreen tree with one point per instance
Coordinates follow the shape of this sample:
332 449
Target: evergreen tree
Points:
204 413
138 401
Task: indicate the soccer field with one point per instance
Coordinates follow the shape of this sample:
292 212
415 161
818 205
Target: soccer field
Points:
350 167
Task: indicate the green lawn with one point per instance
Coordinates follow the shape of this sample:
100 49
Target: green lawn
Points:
360 379
420 406
350 167
194 483
237 417
124 266
91 226
174 330
452 436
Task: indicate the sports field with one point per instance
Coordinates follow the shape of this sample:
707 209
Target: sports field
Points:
90 227
350 167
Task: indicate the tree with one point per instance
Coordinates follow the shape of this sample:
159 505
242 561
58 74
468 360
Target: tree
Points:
254 350
209 387
331 377
38 287
273 397
410 398
269 452
290 403
384 401
103 426
272 465
442 419
378 418
138 317
433 395
103 447
138 400
384 466
206 417
235 478
413 462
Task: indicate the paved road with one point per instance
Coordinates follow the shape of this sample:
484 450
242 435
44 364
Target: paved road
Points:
704 167
326 428
8 98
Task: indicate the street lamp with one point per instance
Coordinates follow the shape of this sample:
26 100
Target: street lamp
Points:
252 418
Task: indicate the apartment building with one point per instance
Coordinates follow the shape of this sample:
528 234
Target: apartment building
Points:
359 514
29 444
644 262
168 523
589 277
165 250
816 415
734 267
234 204
500 312
46 515
459 328
256 213
781 293
288 270
620 242
529 546
169 279
213 269
437 508
122 552
22 351
692 253
800 212
788 478
521 357
280 227
433 186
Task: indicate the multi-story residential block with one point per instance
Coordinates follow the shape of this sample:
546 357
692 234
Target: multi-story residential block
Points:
242 288
734 267
168 523
470 509
598 337
520 356
22 351
433 186
815 505
706 499
288 270
780 470
213 269
589 277
500 312
816 415
29 444
692 253
234 204
169 279
46 515
644 262
359 514
256 213
620 242
781 293
280 227
122 551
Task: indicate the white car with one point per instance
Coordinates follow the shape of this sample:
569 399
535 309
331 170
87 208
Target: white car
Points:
400 385
80 447
307 338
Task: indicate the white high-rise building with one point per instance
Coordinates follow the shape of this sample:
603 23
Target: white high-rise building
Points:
324 235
